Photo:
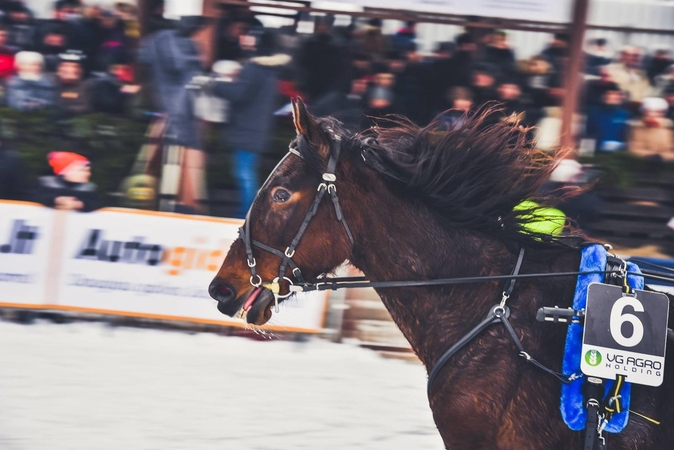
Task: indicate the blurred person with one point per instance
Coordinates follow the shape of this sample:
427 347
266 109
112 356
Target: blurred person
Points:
69 21
627 73
460 101
652 136
252 100
112 91
537 78
372 40
73 92
54 42
31 89
128 16
412 85
594 88
345 107
597 56
499 54
658 64
381 100
156 20
669 98
69 188
7 53
442 72
405 36
484 83
663 81
15 183
509 94
557 51
174 61
228 33
22 28
322 60
109 41
463 61
607 123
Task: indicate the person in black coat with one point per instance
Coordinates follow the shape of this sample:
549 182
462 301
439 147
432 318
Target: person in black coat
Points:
15 184
69 188
252 104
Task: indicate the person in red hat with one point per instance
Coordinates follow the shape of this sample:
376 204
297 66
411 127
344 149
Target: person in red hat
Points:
69 188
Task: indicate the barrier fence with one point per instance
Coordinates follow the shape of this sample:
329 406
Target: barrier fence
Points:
128 263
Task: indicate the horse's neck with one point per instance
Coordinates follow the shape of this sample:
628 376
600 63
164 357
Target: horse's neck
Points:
398 241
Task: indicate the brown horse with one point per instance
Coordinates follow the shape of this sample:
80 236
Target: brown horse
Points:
429 203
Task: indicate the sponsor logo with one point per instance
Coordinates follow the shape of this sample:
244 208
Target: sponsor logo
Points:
141 251
21 240
593 358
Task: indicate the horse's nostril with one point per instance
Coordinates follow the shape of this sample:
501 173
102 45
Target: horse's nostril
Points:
221 291
224 291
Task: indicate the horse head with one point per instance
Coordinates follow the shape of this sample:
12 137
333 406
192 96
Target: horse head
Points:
292 231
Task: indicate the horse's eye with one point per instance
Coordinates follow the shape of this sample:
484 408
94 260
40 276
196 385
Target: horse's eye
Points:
281 196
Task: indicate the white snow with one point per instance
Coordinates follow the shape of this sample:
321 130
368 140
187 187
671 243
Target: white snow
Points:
91 386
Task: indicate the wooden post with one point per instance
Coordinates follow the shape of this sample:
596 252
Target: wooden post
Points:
572 83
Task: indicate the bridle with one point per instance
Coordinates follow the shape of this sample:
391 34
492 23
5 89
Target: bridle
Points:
326 186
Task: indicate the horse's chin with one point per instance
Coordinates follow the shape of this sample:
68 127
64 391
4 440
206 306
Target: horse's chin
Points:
259 312
254 306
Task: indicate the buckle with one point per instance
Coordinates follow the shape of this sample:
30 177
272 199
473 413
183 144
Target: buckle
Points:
331 177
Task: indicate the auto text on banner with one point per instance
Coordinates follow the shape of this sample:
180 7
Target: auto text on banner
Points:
159 266
25 244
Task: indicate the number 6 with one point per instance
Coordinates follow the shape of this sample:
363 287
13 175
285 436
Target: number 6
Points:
618 319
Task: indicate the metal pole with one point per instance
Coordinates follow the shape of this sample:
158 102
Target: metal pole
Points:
572 82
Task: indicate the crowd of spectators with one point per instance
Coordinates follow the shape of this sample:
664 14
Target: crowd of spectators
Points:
85 59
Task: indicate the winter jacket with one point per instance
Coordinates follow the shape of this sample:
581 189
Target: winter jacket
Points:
74 98
607 123
174 60
31 95
633 81
252 103
648 141
52 187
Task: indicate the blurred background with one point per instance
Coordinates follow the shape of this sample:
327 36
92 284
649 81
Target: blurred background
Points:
135 134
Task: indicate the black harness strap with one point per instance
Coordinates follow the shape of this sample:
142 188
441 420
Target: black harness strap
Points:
498 313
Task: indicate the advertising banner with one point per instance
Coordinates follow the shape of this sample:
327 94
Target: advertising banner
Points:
158 265
25 244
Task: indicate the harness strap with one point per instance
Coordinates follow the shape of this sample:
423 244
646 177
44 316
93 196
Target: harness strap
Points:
499 313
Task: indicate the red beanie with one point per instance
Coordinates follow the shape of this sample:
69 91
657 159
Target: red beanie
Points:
63 162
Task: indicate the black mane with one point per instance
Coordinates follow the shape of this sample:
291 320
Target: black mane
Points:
470 176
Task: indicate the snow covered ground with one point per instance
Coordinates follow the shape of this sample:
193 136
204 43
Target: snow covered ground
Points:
91 386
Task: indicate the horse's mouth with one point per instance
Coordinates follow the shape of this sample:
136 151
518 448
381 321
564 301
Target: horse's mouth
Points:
256 308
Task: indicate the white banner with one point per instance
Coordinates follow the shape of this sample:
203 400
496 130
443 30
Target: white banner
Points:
25 242
175 9
158 265
536 10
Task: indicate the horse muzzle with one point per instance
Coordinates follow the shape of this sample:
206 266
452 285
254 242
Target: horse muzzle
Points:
254 305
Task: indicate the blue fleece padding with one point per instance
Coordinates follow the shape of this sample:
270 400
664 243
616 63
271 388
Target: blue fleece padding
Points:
572 404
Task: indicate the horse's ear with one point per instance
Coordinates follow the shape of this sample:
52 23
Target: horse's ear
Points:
305 123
